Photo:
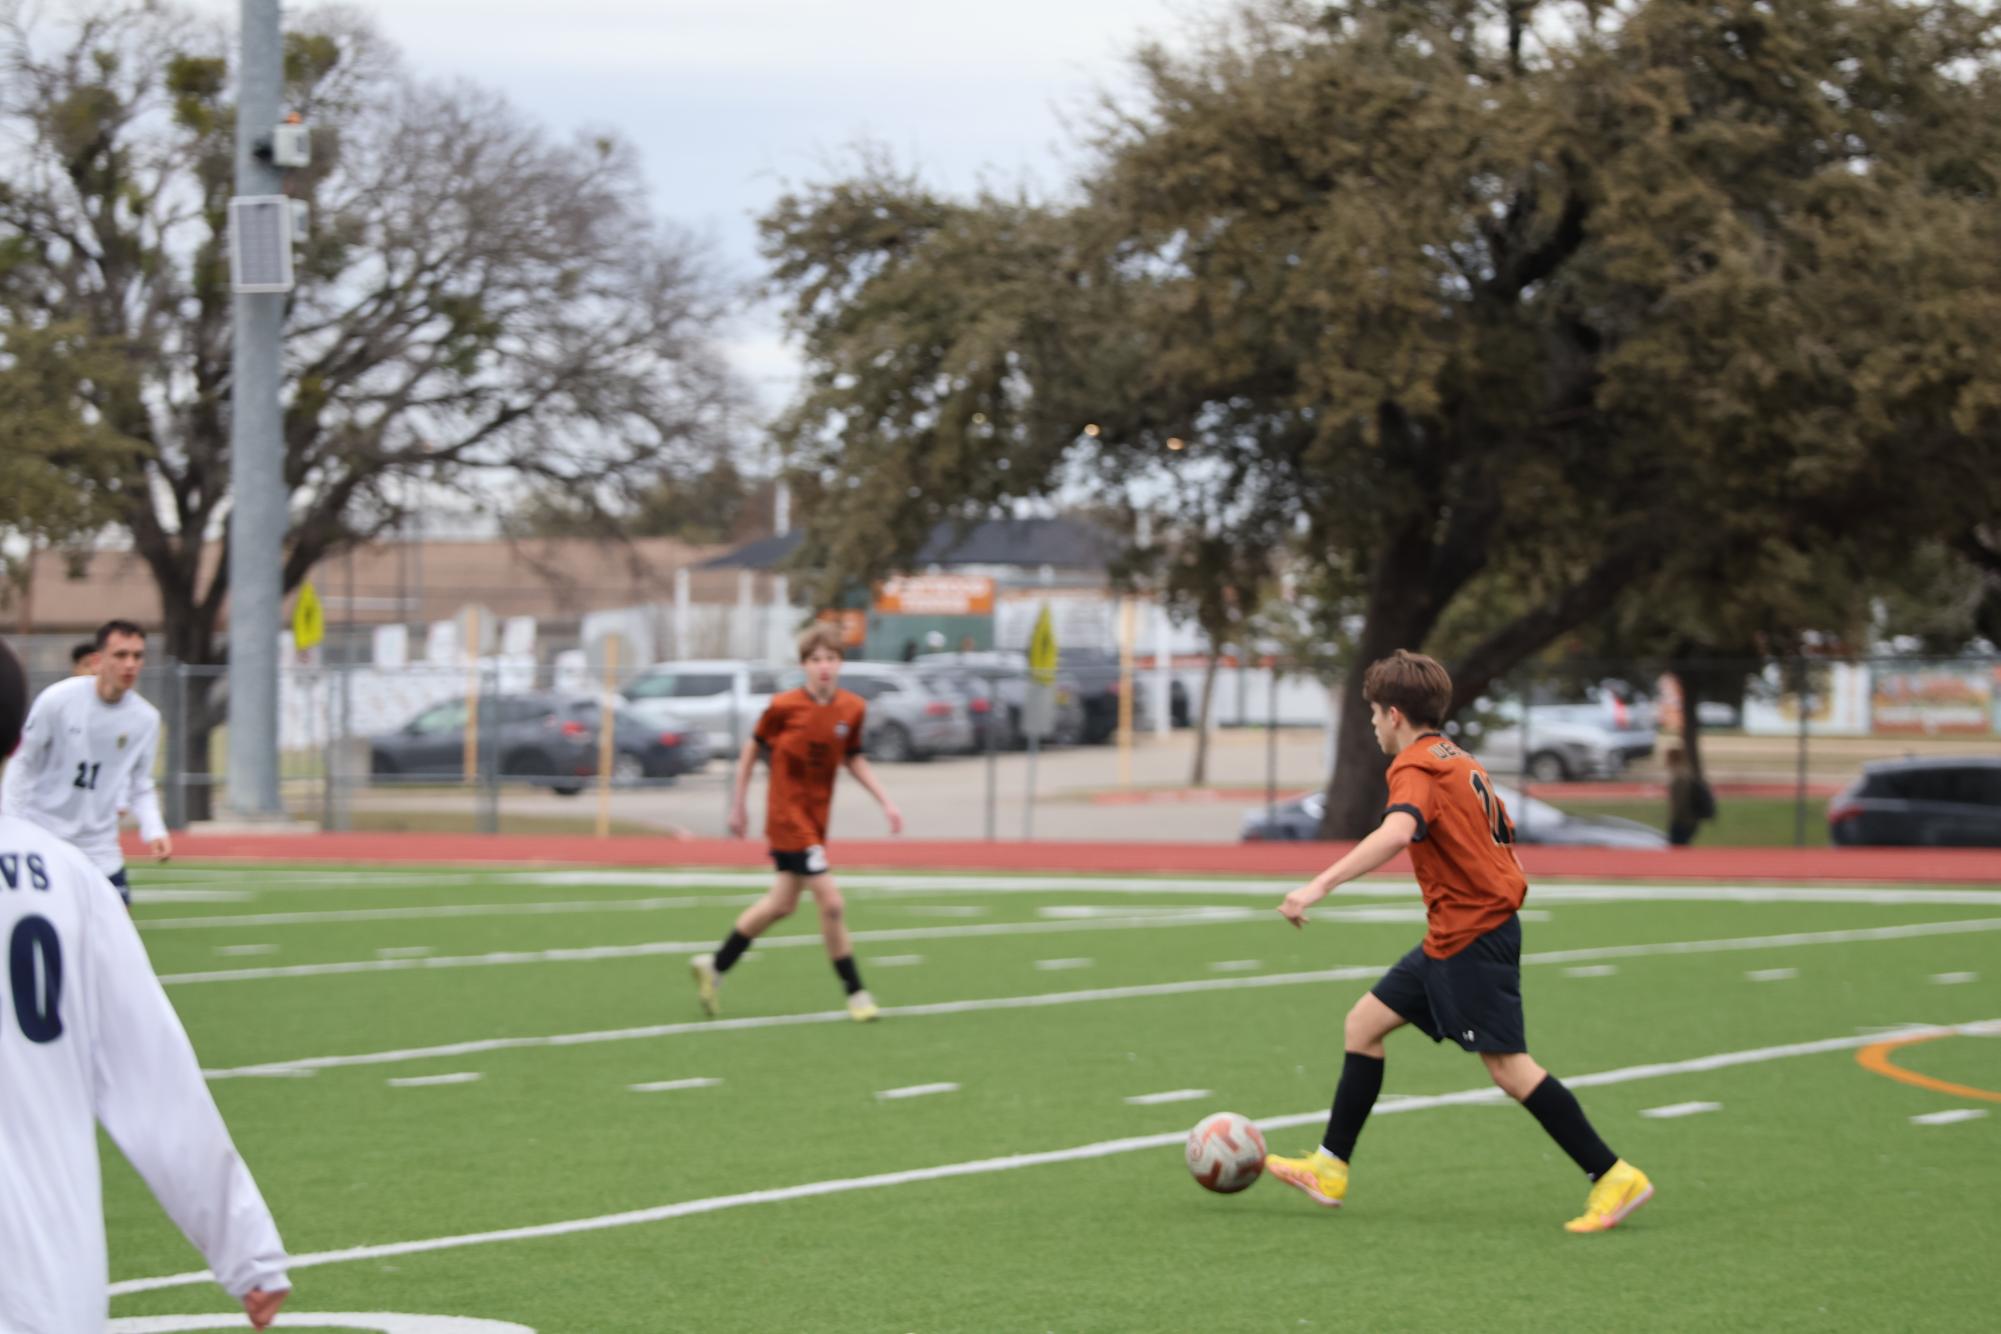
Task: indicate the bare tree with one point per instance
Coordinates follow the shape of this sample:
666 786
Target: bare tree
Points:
478 302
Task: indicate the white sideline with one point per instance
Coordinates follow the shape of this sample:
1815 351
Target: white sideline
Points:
1205 916
593 953
1392 887
869 885
1010 1162
1345 974
1388 886
446 910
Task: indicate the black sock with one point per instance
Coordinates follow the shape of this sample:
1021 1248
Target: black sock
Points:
1361 1081
851 977
1556 1107
732 950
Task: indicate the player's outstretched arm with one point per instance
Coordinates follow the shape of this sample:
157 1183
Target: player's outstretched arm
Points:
151 1098
1390 837
858 765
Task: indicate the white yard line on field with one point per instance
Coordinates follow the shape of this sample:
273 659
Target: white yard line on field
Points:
987 1166
1953 1117
1677 1109
674 1085
916 1091
1172 1095
429 1081
149 895
1345 974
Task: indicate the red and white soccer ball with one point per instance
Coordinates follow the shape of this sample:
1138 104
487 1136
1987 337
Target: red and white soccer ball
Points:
1226 1153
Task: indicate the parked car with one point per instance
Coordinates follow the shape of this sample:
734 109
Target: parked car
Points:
1535 822
995 687
1935 803
1560 742
908 717
723 696
1096 672
539 737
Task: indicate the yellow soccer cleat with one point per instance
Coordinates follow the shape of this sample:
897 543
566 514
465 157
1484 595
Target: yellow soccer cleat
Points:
1614 1195
1322 1176
708 988
862 1007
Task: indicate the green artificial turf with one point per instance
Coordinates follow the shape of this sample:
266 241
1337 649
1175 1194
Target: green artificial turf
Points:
1809 1200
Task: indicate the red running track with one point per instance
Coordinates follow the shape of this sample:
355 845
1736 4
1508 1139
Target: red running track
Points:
1795 865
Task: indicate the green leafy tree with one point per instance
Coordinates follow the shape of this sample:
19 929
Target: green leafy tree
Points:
55 452
1503 326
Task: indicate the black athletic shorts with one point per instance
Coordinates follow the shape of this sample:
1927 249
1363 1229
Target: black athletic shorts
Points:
122 885
806 861
1474 997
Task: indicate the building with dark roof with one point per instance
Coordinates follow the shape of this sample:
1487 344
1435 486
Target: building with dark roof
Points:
1014 552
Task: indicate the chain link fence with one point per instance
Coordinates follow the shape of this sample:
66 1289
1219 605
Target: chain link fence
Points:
968 751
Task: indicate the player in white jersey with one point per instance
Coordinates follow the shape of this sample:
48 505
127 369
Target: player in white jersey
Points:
87 1038
87 753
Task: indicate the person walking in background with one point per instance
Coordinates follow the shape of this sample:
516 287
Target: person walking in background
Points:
1690 800
806 737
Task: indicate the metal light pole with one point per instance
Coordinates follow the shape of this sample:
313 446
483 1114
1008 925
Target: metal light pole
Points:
256 448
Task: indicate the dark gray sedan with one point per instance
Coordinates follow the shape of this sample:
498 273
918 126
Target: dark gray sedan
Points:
541 738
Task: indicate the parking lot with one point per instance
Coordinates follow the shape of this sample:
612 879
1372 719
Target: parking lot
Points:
1080 792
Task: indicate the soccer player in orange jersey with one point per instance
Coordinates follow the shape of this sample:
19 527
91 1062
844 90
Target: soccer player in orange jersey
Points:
1464 981
806 736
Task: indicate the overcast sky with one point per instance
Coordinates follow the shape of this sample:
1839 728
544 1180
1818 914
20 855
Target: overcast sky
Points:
731 100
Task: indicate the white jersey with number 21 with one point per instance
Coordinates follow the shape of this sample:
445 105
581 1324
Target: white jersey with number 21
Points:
81 761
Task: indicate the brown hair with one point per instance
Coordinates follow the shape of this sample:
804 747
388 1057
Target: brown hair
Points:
817 637
1411 683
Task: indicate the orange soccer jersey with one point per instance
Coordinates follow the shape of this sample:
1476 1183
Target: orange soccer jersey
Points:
806 743
1464 853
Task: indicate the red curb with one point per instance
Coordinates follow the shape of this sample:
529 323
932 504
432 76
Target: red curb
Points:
1872 865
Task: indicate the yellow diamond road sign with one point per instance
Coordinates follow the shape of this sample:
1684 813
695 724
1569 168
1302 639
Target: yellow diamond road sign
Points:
309 623
1042 648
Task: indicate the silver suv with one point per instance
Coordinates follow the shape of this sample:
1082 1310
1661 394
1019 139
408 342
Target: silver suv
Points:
908 717
1560 742
723 696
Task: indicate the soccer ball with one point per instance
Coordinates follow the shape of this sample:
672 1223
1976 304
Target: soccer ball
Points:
1226 1153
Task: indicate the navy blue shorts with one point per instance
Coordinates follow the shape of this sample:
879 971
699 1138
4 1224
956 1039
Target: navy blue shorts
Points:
122 885
1474 997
